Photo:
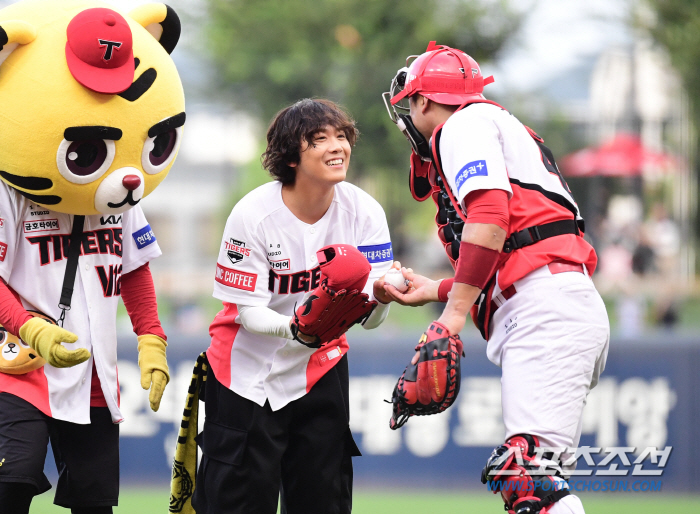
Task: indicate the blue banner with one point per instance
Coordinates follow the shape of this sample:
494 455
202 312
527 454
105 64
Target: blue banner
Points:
647 398
377 253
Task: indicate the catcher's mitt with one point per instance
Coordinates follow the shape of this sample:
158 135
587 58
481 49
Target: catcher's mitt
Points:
431 385
338 303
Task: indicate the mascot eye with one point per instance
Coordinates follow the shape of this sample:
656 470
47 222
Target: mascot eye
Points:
86 157
84 161
159 151
3 336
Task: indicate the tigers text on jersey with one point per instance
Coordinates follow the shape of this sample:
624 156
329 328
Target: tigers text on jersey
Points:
483 146
268 258
34 242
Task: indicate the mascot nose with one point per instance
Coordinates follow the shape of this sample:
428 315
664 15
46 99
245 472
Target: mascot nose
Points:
131 182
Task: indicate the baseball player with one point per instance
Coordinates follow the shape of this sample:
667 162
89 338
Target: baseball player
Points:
73 400
509 222
277 408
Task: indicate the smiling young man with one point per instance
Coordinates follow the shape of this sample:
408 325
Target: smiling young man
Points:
276 409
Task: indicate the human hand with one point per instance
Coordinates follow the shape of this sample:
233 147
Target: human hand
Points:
379 291
421 290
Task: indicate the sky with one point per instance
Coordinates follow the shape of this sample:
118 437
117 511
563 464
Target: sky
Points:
556 36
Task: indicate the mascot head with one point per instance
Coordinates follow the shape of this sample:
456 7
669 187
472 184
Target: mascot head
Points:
91 105
16 356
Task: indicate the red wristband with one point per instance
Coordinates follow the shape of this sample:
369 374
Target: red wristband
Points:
476 264
444 288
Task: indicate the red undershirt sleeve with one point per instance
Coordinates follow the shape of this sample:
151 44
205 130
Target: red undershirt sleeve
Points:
12 314
139 297
488 206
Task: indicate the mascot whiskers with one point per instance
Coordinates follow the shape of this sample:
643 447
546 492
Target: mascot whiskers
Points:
91 118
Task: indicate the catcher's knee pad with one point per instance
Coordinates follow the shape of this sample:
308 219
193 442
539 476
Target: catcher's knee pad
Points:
529 483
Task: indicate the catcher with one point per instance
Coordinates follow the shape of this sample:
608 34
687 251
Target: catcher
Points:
512 229
300 262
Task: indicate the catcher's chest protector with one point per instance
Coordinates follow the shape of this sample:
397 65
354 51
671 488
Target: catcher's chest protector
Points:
451 217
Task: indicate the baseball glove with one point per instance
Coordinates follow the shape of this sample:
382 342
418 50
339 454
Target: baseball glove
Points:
337 303
432 384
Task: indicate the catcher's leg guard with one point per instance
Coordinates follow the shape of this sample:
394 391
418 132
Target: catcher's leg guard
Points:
528 483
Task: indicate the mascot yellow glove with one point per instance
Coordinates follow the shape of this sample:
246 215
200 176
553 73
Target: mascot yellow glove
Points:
46 338
154 367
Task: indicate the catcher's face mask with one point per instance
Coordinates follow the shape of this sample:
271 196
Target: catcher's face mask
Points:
400 113
443 75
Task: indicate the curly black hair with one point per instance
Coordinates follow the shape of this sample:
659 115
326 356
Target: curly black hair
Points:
298 123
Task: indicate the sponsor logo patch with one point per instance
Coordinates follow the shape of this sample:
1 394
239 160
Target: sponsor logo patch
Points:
40 226
280 265
236 250
272 252
111 220
38 213
3 251
471 169
144 237
235 279
377 253
2 223
326 357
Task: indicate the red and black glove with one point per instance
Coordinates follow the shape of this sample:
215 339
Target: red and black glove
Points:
338 303
432 384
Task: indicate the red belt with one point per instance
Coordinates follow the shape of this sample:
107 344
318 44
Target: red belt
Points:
561 266
558 266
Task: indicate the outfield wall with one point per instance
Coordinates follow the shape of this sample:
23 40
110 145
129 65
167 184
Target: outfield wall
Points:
649 396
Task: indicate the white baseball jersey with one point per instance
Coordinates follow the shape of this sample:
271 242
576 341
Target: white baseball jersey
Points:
268 258
485 147
34 245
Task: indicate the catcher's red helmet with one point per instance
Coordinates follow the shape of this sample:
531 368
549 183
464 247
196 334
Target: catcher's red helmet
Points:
444 75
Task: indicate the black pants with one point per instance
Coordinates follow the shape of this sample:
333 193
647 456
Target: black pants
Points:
251 454
87 456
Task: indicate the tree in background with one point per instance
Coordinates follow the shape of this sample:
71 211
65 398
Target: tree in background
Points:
675 25
677 28
271 53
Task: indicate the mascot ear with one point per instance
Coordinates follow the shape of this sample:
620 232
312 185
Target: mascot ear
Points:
12 34
161 21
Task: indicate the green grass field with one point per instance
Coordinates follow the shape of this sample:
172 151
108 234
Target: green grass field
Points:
148 501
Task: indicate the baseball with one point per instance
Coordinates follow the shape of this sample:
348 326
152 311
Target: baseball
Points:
396 279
